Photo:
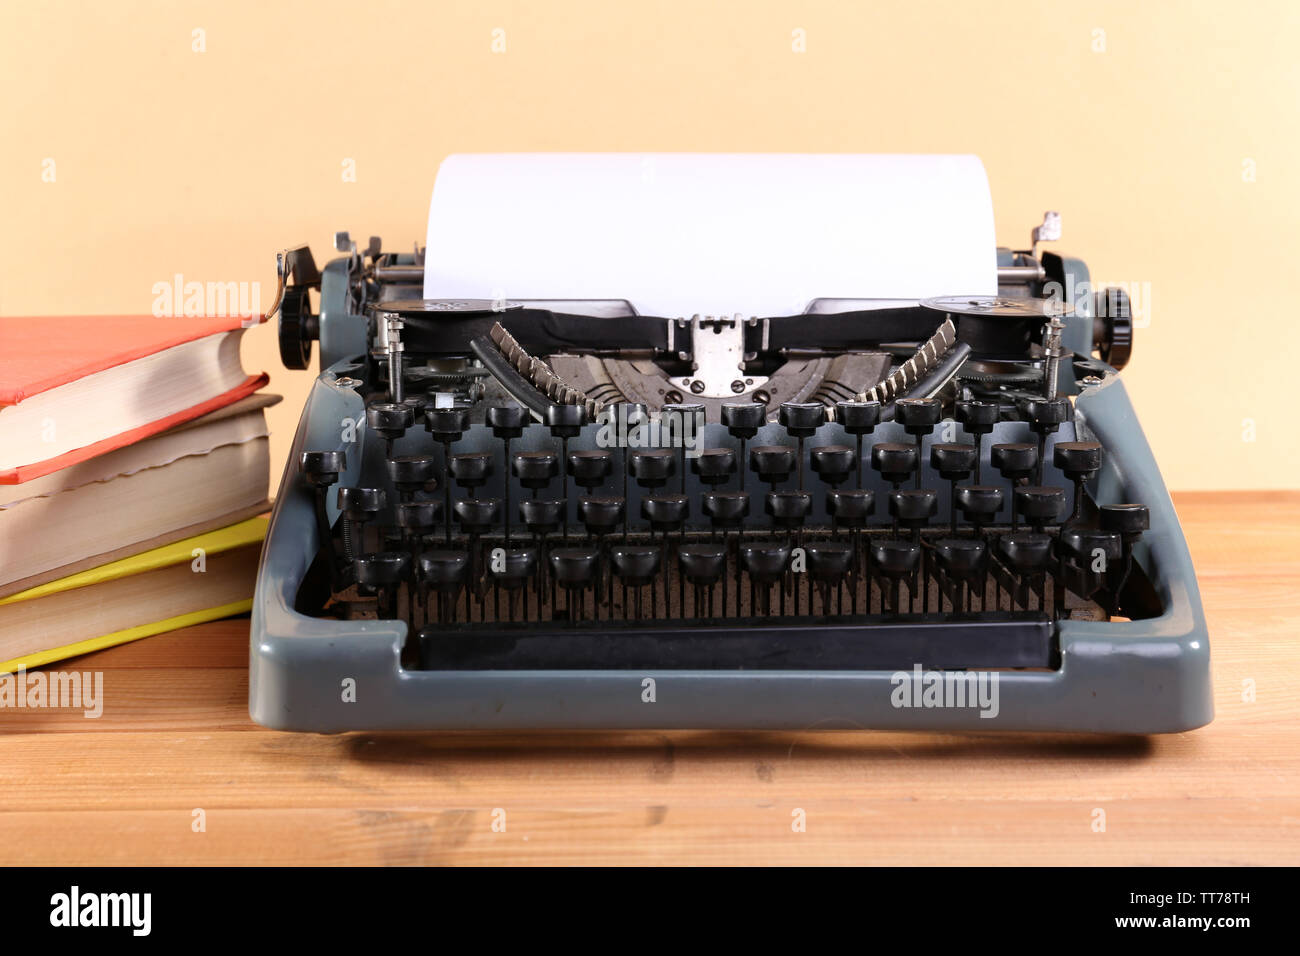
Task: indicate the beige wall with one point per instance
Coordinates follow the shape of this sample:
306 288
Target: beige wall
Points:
172 161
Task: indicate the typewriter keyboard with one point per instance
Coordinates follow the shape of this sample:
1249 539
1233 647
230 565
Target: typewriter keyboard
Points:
508 542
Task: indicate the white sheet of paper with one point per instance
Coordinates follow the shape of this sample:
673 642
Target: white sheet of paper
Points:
681 233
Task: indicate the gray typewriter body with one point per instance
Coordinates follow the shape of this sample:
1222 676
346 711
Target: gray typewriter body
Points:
324 663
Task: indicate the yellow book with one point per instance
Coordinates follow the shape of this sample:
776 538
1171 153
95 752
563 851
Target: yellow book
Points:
202 578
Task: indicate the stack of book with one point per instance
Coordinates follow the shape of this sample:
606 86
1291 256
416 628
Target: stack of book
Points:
134 462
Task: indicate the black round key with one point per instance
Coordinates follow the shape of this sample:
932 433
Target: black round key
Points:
772 463
322 468
765 563
361 504
953 462
535 469
680 426
852 507
477 515
680 408
626 417
895 462
1015 459
388 420
962 558
600 515
1027 552
829 560
743 419
444 570
702 563
829 563
675 417
896 559
471 469
419 516
574 566
915 506
1077 459
1040 506
833 463
1084 543
858 418
565 421
1082 547
1045 415
590 468
541 516
978 418
789 509
508 421
414 472
383 569
446 424
635 564
918 416
980 503
665 512
801 419
726 509
1130 520
633 413
516 567
714 465
652 467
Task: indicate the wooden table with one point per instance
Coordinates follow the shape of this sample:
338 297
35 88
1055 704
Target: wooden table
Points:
175 737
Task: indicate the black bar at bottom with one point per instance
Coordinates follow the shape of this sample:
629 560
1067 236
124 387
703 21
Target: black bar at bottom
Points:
1215 903
862 643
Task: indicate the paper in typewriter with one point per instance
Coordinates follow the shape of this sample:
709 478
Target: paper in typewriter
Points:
680 234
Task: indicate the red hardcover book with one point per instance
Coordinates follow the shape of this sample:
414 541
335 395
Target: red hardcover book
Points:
75 387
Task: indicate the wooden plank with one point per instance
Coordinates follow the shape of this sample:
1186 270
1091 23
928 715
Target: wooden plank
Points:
947 833
241 770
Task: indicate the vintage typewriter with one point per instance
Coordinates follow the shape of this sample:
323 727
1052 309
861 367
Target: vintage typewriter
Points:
566 514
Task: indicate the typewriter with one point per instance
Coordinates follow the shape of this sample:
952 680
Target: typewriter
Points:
567 514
